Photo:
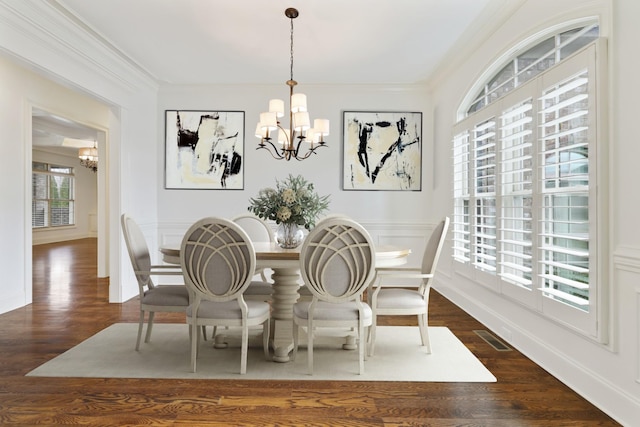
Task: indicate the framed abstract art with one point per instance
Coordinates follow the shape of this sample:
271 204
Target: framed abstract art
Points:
382 151
204 149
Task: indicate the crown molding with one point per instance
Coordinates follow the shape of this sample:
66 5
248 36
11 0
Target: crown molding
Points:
47 36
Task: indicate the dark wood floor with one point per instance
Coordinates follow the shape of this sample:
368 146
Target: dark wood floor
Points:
70 304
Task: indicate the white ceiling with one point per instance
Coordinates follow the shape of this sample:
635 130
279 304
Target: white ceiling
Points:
50 130
248 41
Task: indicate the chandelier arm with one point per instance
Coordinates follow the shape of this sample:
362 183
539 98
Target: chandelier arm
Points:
275 154
300 139
310 152
298 158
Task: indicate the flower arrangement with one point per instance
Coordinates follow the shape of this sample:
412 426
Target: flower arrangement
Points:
293 201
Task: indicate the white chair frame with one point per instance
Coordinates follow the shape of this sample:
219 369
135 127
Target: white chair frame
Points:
389 295
168 298
219 261
258 230
337 262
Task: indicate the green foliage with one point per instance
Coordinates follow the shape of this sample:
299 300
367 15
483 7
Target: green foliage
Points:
293 201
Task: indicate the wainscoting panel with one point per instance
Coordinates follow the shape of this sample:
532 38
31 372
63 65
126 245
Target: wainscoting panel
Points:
404 235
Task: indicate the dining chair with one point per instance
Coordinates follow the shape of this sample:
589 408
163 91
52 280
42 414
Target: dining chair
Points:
153 298
391 294
258 231
218 262
337 261
303 291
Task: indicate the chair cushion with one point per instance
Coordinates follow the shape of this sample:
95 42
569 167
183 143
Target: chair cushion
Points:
329 311
398 298
258 287
229 310
166 295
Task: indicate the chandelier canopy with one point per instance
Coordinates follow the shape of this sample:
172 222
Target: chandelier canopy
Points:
89 157
288 143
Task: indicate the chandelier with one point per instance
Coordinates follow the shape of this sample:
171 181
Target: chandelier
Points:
89 157
288 143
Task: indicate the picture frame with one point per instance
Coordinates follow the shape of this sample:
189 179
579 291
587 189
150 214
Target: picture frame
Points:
382 151
204 149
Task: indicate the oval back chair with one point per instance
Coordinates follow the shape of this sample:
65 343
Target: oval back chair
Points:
219 262
337 264
258 230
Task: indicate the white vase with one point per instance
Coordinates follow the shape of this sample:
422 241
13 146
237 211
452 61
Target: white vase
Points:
289 236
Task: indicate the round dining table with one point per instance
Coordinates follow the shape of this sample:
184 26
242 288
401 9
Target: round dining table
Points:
285 264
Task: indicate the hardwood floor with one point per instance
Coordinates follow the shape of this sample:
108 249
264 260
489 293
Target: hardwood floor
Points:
70 304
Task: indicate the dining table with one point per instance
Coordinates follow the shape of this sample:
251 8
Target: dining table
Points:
285 264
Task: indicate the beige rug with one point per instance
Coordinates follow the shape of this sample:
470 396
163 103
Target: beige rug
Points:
398 357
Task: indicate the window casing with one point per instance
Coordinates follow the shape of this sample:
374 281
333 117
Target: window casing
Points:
53 203
525 221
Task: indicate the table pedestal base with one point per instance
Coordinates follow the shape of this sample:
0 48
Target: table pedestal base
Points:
284 296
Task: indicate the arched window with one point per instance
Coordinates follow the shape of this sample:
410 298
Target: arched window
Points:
528 62
526 166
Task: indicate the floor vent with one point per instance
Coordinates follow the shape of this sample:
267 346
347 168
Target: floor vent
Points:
492 340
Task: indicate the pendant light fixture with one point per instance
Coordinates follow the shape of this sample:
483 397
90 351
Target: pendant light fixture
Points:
299 140
89 157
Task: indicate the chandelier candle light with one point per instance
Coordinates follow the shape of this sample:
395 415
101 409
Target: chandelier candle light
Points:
300 131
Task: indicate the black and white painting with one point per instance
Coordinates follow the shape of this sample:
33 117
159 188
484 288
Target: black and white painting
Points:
382 151
204 149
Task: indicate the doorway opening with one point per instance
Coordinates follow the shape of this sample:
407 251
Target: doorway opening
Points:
57 140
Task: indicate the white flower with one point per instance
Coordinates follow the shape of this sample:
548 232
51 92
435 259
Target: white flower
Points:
284 213
288 196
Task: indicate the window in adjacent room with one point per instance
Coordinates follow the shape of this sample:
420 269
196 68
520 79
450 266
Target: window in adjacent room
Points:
53 196
528 155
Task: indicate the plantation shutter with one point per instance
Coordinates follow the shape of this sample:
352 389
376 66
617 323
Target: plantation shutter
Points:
53 201
460 223
516 201
484 156
525 194
39 200
564 154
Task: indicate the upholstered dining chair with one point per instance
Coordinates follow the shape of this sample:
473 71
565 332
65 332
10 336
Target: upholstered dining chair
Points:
390 294
153 298
337 261
303 291
258 231
218 262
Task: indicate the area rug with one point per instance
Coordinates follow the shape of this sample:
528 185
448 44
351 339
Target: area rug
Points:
398 357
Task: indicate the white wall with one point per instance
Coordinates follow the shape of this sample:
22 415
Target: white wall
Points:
606 374
47 60
323 169
22 88
85 206
406 213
